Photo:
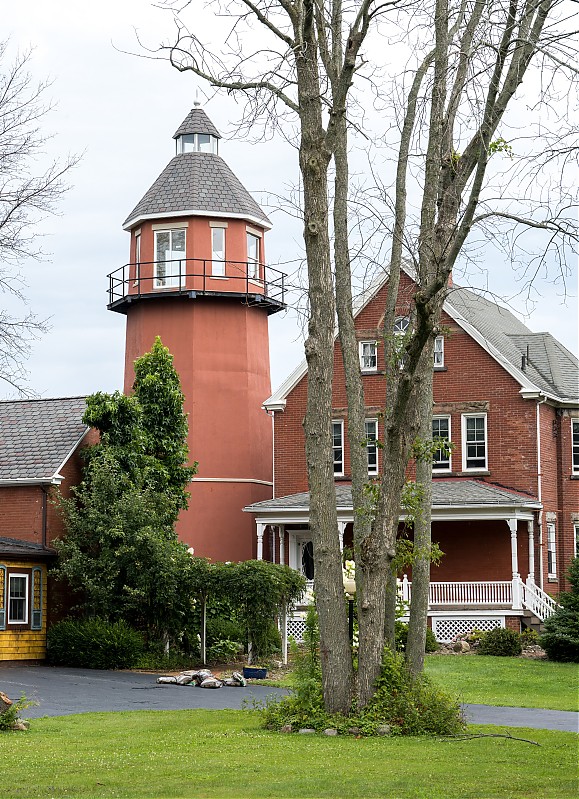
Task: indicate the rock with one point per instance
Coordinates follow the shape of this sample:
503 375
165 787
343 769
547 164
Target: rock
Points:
20 726
330 731
464 646
5 702
287 728
354 731
458 646
306 731
383 729
211 682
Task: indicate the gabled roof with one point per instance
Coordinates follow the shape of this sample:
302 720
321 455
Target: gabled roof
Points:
37 437
458 495
550 369
197 121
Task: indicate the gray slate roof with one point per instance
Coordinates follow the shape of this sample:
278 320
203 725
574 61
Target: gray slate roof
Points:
36 436
24 549
197 121
197 183
445 493
550 365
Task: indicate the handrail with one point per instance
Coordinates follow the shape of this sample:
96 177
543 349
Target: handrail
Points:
183 275
537 601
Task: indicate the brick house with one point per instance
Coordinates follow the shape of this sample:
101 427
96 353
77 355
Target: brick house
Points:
40 442
505 501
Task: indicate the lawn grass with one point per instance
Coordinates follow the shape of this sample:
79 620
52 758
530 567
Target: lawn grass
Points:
209 754
514 682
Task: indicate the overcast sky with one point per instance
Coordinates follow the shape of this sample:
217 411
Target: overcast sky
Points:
121 112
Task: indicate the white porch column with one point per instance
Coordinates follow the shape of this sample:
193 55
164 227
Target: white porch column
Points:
281 531
531 550
341 530
260 531
517 598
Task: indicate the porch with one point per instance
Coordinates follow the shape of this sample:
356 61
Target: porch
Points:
486 532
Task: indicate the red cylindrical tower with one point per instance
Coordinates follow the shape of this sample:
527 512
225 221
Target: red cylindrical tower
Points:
197 278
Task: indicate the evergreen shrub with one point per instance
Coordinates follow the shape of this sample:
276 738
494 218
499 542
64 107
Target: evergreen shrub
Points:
561 637
94 644
500 642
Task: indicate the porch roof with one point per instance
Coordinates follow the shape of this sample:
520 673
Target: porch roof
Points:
451 499
25 550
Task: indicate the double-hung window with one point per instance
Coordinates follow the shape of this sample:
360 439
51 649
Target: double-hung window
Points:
252 256
170 263
371 429
218 251
18 598
338 446
439 352
551 550
575 445
441 430
474 442
368 356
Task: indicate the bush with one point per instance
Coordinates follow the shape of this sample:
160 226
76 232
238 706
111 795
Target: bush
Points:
223 629
11 714
401 633
561 638
408 706
529 637
223 651
500 642
94 644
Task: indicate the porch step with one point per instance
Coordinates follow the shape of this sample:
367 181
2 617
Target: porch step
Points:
533 622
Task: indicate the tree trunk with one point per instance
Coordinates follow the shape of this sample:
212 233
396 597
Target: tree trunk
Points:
416 642
335 650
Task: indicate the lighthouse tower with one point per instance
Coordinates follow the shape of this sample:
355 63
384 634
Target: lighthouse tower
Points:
197 278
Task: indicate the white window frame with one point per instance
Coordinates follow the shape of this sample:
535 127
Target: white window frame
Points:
26 577
551 550
439 352
575 446
447 467
338 461
170 281
371 431
465 443
368 359
217 251
253 261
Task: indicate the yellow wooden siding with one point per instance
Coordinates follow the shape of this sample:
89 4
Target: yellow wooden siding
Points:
25 644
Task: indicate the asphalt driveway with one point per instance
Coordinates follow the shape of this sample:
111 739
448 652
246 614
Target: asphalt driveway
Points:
61 692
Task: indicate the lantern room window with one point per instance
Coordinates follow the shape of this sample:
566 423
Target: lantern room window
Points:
196 143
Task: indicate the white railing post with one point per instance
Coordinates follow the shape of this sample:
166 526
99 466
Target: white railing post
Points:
405 589
281 530
260 531
531 551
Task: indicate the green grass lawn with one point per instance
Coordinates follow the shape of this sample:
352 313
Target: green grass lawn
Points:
514 682
157 754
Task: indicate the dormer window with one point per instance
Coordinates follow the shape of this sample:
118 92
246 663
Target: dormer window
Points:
196 143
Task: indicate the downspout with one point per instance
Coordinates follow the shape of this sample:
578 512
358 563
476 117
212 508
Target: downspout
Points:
540 493
44 515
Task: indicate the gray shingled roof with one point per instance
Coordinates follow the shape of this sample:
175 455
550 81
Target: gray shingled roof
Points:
197 183
24 549
445 493
197 121
36 436
550 366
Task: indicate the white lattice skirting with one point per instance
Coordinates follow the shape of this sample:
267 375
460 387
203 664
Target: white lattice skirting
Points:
295 628
446 629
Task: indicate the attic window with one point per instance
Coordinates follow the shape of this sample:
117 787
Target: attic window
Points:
196 143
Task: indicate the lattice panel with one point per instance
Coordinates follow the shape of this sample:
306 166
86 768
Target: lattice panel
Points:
446 629
295 629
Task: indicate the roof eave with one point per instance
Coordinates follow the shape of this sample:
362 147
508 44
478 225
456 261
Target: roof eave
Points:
139 218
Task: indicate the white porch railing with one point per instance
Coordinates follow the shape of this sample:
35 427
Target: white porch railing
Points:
537 601
483 592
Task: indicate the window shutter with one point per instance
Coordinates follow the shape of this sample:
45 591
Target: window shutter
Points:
36 598
2 597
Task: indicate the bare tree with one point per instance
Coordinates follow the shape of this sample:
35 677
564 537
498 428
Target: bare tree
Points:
27 193
304 65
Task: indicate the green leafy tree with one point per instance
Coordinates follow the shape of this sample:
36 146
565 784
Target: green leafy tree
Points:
121 556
